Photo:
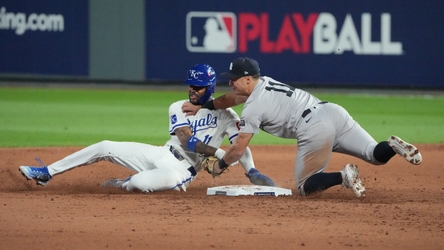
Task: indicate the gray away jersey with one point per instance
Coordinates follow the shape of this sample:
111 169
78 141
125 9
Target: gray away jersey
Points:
275 108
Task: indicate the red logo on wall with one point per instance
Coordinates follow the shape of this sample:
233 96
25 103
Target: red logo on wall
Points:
318 33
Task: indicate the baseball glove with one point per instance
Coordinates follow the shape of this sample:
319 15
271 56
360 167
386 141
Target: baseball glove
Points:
208 165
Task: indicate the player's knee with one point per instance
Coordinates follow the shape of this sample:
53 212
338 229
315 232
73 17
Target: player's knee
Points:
137 184
103 146
155 180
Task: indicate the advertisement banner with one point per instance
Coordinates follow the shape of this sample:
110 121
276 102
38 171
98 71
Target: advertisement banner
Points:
45 37
323 43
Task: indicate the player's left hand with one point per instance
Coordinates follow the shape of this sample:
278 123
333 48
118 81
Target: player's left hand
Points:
259 179
211 165
190 109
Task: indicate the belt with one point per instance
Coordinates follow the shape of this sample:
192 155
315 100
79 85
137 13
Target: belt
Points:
308 111
178 156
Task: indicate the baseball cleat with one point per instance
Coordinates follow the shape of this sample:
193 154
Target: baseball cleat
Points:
350 179
40 175
404 149
259 179
117 183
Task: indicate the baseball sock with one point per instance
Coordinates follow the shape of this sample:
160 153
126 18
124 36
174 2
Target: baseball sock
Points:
383 152
321 181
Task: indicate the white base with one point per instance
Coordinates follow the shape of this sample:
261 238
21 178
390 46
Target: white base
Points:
236 190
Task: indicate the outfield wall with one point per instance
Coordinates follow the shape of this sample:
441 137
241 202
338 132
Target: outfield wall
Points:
321 43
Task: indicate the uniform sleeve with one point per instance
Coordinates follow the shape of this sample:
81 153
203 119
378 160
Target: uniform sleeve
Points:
250 120
233 124
177 117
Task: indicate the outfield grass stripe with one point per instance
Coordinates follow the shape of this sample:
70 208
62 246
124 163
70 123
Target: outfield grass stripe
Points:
78 117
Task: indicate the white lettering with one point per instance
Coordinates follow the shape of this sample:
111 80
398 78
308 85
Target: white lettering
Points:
368 47
20 23
41 22
2 17
56 22
34 22
326 40
324 36
348 38
388 47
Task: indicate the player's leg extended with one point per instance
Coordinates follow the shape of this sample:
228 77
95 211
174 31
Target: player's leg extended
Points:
351 138
132 155
169 174
356 141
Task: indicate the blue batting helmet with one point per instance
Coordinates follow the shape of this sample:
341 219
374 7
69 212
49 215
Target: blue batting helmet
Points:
202 75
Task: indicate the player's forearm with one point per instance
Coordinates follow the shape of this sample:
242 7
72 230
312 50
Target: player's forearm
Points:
233 154
192 143
228 100
236 150
196 145
205 149
225 101
222 102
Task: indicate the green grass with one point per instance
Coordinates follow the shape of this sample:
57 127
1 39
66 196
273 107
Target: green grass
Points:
35 117
414 118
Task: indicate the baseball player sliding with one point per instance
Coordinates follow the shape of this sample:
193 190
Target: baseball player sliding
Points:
174 165
319 127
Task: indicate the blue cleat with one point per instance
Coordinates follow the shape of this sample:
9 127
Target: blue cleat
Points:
259 179
40 175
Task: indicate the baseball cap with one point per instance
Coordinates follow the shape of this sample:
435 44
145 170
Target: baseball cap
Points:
242 66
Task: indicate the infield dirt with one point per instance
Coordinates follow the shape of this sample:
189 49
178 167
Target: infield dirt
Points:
403 208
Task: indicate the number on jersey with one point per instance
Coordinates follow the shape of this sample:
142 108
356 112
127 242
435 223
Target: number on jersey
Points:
280 87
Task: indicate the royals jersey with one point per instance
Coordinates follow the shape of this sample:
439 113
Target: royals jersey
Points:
210 126
275 107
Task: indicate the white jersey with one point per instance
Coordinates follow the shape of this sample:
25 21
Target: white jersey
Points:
210 127
166 167
275 108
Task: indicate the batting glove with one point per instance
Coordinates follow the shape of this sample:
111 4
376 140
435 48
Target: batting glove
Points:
258 178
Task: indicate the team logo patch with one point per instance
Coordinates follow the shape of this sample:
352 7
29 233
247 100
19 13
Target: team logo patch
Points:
241 123
173 119
238 125
211 32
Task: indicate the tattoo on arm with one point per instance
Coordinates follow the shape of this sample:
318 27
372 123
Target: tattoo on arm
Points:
205 149
183 133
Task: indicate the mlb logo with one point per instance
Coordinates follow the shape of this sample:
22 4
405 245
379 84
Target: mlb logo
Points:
211 32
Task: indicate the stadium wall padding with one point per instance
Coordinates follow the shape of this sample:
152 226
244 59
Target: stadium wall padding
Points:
320 43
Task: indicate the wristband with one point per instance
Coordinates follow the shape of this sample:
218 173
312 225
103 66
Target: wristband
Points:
209 105
219 153
222 164
192 142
